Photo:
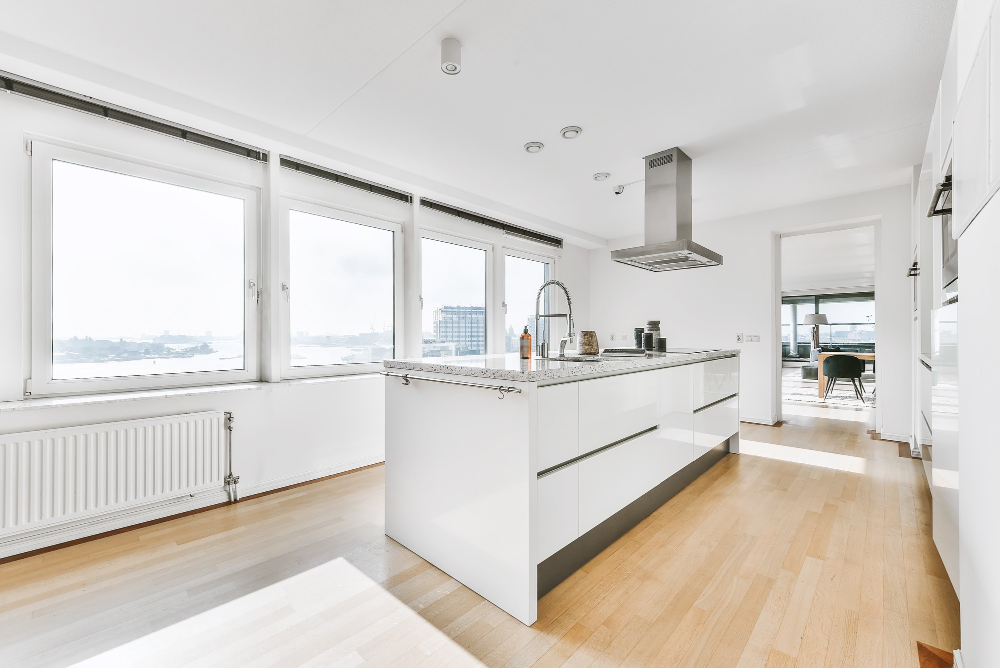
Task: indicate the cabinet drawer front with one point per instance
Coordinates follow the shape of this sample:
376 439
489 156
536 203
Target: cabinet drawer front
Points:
715 424
558 424
558 510
715 379
613 478
616 407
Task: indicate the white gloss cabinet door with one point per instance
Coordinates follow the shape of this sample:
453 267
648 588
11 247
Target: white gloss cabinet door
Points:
558 510
617 407
945 425
979 394
994 110
715 424
558 424
676 429
614 478
715 380
971 155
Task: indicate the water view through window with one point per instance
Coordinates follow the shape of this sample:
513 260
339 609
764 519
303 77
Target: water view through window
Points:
341 298
147 276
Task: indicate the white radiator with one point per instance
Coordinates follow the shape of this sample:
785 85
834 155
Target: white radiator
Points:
59 475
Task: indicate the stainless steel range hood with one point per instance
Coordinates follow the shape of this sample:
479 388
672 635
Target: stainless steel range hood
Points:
668 219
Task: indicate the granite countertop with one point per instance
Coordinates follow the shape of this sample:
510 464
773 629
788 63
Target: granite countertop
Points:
510 367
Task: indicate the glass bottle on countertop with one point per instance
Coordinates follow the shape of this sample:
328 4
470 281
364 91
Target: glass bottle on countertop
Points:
526 344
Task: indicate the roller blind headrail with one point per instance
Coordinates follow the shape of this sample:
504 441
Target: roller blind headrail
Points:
19 85
344 179
508 229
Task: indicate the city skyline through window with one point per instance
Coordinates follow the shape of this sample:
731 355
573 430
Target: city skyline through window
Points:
851 318
453 288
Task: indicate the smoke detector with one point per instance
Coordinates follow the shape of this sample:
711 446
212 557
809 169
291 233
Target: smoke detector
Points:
534 147
571 132
451 56
601 176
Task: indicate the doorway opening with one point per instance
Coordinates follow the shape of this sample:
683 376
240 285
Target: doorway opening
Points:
827 321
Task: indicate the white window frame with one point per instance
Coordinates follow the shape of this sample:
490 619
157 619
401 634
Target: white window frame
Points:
550 260
289 203
41 381
490 269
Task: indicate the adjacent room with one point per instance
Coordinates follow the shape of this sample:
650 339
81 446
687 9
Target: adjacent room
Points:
508 334
828 310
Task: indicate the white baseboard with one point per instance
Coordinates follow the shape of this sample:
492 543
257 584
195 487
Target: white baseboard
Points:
959 661
288 481
768 422
64 532
903 438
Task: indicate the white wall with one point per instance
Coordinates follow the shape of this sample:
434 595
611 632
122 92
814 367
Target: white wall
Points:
706 308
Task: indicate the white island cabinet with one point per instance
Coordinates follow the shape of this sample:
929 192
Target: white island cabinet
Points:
510 474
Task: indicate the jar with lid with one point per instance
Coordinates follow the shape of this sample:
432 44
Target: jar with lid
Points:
653 327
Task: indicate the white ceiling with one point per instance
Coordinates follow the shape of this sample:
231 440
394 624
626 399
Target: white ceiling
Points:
842 260
777 101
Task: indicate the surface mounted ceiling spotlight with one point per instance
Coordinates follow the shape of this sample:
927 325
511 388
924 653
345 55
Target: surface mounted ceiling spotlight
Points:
451 56
534 146
601 176
571 132
619 190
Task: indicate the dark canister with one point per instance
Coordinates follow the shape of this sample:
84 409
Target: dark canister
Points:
648 341
639 331
661 345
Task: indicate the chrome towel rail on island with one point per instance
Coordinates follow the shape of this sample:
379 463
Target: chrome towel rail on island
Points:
500 388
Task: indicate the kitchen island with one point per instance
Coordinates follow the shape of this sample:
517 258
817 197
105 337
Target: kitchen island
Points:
511 474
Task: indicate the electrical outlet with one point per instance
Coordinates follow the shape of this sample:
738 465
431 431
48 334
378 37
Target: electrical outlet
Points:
612 336
753 338
739 338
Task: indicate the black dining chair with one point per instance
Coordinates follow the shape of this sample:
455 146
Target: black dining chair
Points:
844 366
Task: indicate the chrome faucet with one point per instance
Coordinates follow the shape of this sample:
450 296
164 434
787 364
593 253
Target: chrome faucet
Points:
542 347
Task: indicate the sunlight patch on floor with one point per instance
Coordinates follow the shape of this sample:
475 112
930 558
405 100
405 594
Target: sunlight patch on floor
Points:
831 413
310 619
830 460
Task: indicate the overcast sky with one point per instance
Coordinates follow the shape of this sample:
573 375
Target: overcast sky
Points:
132 256
340 275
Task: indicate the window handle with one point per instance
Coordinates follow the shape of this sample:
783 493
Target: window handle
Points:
288 292
254 292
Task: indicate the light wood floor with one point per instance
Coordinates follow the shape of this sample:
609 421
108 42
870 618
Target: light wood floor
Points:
761 562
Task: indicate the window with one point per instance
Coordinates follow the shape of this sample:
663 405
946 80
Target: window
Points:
453 290
340 290
142 277
851 318
522 278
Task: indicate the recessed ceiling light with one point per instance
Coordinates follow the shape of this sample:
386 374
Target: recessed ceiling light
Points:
601 176
571 132
451 56
534 146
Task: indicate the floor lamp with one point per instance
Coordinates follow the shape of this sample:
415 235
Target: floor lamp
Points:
815 319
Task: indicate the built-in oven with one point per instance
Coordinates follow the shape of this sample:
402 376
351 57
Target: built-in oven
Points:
941 206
